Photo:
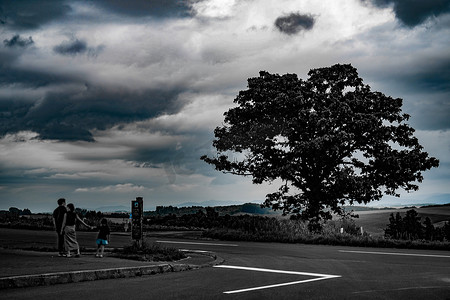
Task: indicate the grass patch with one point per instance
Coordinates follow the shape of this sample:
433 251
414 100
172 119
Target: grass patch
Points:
298 234
149 252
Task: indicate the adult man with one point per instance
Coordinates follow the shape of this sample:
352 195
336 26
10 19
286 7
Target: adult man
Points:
58 217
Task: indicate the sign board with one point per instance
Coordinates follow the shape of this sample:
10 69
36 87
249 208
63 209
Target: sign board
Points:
137 216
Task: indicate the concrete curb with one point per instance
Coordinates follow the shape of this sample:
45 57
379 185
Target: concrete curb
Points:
90 275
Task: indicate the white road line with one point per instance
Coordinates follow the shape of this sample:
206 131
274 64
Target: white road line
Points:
274 285
396 253
195 251
274 271
319 277
193 243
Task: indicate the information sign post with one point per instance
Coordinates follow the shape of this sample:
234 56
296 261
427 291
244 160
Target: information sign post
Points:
137 215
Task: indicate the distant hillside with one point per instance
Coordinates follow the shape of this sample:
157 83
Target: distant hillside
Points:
364 208
116 208
210 203
247 208
375 221
254 208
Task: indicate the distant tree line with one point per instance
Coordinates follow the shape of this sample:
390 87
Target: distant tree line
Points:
90 216
25 219
14 211
410 227
173 210
249 208
245 223
203 218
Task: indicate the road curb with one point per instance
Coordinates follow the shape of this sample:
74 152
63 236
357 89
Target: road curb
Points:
90 275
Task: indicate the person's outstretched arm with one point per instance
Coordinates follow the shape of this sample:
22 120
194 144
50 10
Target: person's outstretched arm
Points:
82 222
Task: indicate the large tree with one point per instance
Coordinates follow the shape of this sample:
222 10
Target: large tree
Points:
330 139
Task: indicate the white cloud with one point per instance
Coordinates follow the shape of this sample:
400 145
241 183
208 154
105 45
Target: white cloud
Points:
214 8
202 112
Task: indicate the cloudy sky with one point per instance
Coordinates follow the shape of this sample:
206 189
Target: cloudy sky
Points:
104 101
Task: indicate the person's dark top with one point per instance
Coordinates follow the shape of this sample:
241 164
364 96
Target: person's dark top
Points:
58 215
103 232
71 218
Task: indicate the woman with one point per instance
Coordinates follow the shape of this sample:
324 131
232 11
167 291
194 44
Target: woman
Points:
68 226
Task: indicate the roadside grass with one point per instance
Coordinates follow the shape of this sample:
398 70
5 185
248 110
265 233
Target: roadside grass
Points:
289 231
337 239
134 251
149 252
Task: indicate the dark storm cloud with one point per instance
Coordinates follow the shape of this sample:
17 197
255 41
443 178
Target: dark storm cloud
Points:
433 78
433 82
68 116
18 41
176 161
431 114
155 8
425 88
29 78
427 75
413 12
31 14
294 23
10 75
71 47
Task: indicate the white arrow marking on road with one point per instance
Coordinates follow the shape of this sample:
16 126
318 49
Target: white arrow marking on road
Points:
319 277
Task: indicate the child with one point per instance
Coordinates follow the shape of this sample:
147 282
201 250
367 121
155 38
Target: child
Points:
102 238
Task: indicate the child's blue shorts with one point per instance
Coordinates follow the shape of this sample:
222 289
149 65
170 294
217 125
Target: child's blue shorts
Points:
102 242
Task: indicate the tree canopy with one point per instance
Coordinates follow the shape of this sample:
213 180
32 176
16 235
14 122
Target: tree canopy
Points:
329 139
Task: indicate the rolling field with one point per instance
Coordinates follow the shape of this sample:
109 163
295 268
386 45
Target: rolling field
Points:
375 221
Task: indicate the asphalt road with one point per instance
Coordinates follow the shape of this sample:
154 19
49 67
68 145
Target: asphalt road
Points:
272 271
